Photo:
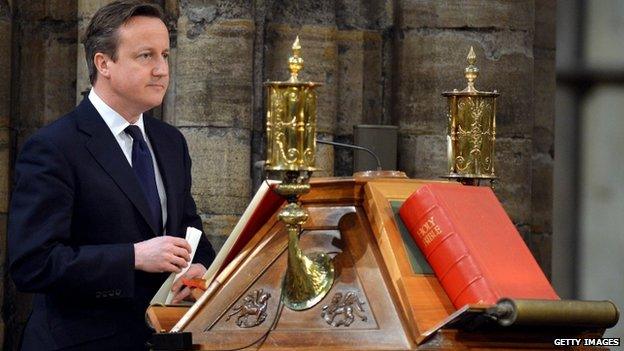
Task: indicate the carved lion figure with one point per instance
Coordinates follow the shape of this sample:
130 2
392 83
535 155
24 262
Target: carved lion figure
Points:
252 311
345 309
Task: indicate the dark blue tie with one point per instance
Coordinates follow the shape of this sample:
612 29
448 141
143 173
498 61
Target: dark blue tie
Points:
144 170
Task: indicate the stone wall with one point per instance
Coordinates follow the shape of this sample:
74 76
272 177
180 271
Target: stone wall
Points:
432 41
543 151
211 103
5 132
39 54
381 62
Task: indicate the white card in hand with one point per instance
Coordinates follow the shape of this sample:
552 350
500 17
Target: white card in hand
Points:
192 237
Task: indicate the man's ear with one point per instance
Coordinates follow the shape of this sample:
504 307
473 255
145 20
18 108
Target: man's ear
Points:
102 62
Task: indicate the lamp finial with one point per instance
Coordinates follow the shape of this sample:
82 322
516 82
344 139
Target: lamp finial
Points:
295 62
471 72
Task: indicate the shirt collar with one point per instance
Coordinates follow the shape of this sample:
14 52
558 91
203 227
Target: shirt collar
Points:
115 122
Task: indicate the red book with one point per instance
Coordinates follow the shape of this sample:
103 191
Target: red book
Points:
472 246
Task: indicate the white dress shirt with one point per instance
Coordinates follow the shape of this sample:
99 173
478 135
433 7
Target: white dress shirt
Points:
116 123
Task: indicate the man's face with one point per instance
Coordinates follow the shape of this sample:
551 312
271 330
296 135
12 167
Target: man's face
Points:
140 75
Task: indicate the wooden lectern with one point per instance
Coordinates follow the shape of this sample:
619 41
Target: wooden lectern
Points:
385 296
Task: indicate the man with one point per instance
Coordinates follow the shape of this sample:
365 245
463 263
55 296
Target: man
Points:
96 190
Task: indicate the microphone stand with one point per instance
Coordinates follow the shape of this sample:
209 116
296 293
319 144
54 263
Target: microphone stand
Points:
349 146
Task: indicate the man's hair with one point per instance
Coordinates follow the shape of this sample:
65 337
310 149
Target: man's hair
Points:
102 32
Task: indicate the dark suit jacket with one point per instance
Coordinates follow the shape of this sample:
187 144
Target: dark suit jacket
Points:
76 210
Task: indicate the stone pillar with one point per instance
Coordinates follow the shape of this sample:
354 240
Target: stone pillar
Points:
45 63
43 88
211 104
543 132
361 37
5 142
315 23
432 41
85 10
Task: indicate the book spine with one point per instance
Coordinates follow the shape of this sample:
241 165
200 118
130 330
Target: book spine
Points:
446 252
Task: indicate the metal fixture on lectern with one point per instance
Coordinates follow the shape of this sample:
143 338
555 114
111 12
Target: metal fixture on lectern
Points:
471 130
291 148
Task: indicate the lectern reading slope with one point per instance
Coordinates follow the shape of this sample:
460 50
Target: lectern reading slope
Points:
384 297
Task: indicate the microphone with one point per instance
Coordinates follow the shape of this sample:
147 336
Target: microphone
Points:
355 147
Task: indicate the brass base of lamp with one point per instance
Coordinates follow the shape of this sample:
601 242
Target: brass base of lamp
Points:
301 294
308 277
469 179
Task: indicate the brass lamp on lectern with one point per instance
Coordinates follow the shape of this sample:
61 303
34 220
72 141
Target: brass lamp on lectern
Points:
291 146
471 130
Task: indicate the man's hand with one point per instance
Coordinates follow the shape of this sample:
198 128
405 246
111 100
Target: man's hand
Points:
162 254
196 270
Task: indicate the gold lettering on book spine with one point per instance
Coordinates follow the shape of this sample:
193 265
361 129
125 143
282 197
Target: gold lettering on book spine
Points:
428 231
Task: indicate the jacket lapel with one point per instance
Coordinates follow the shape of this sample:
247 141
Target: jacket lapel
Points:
166 164
104 148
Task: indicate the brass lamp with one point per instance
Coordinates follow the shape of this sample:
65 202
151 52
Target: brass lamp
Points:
471 130
291 145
